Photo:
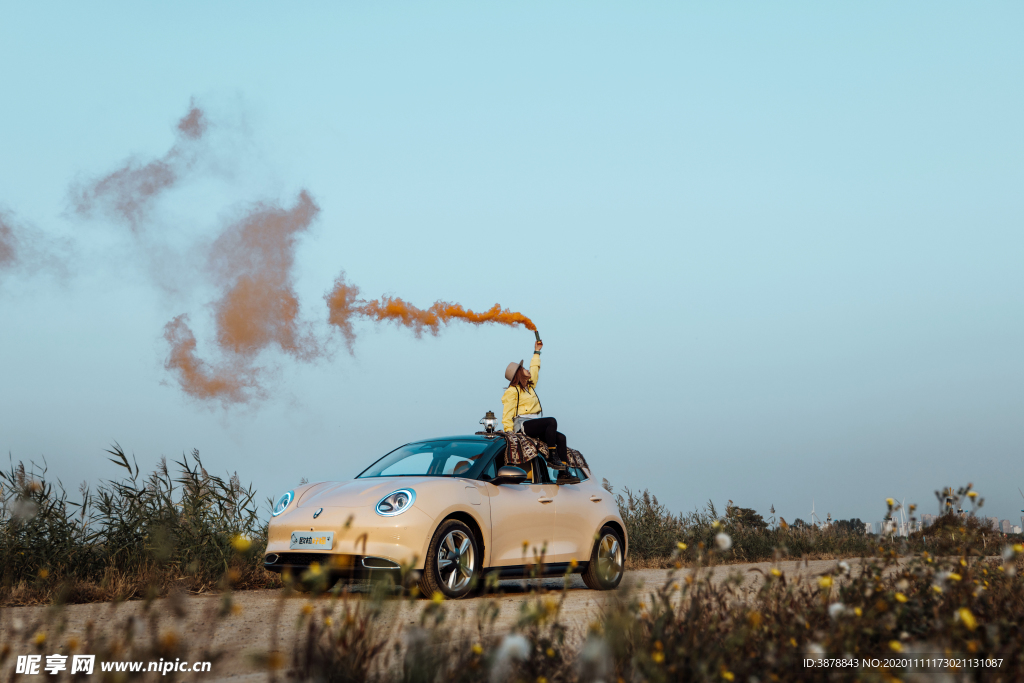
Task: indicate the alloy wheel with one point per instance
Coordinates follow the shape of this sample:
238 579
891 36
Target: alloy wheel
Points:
455 560
609 559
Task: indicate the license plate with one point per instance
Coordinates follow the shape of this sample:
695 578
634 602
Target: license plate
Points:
312 540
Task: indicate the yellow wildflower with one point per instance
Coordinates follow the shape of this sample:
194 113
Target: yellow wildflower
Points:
901 597
478 649
969 621
972 494
240 543
858 611
438 597
43 573
658 657
937 588
895 646
954 576
550 652
40 638
728 675
775 572
681 545
890 502
825 582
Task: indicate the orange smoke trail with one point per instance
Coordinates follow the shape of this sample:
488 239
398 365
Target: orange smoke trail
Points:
251 262
197 378
8 243
343 304
128 193
495 314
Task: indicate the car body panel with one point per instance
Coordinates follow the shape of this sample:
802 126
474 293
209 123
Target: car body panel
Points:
521 525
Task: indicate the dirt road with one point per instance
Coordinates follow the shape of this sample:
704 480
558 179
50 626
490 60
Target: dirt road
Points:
257 616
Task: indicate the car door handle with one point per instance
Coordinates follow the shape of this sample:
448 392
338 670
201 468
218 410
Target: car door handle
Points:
542 499
595 499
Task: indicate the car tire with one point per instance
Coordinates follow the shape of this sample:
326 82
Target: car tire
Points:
605 569
452 566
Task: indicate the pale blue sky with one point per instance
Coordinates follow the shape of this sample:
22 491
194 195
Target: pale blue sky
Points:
774 250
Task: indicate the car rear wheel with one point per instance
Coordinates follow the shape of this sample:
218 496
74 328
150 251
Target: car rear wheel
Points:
452 561
606 561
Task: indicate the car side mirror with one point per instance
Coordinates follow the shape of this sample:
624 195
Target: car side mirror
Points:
510 474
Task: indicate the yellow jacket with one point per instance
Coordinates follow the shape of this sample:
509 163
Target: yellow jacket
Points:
527 401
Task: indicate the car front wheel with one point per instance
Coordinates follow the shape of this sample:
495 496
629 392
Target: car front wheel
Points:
605 569
452 561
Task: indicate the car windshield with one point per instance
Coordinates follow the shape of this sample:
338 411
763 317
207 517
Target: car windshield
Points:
450 458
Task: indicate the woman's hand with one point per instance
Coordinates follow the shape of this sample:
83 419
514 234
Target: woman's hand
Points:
538 345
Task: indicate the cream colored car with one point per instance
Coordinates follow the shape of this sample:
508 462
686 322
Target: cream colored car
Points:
453 510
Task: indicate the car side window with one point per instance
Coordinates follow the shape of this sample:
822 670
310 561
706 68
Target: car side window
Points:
490 470
577 472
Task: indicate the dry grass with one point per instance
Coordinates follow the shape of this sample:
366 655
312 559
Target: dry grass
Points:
902 602
133 537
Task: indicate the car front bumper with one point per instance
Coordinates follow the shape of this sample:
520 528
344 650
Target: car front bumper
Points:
363 540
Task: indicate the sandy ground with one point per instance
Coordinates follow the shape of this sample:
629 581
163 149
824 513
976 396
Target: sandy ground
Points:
259 616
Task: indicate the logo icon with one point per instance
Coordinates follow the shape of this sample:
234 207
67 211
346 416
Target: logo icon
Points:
317 513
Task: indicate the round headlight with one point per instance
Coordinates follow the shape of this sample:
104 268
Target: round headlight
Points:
282 503
396 503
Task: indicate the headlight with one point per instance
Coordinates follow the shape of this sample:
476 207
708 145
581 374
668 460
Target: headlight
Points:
396 503
282 503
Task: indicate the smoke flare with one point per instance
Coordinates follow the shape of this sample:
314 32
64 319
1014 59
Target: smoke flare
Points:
250 265
343 305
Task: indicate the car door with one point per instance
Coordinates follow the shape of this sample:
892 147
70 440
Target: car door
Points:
523 519
577 518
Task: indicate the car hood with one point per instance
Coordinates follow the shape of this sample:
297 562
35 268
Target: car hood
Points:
357 493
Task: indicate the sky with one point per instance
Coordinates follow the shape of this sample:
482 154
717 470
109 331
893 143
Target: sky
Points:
774 250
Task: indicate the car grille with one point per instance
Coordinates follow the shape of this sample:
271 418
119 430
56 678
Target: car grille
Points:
303 559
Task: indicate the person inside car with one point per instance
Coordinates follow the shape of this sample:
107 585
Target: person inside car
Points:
522 411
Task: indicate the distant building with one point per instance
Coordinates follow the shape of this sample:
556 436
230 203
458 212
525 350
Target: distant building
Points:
892 527
869 528
1016 529
1007 527
993 522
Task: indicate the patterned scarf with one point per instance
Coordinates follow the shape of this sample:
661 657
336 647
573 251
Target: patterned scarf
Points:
522 449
